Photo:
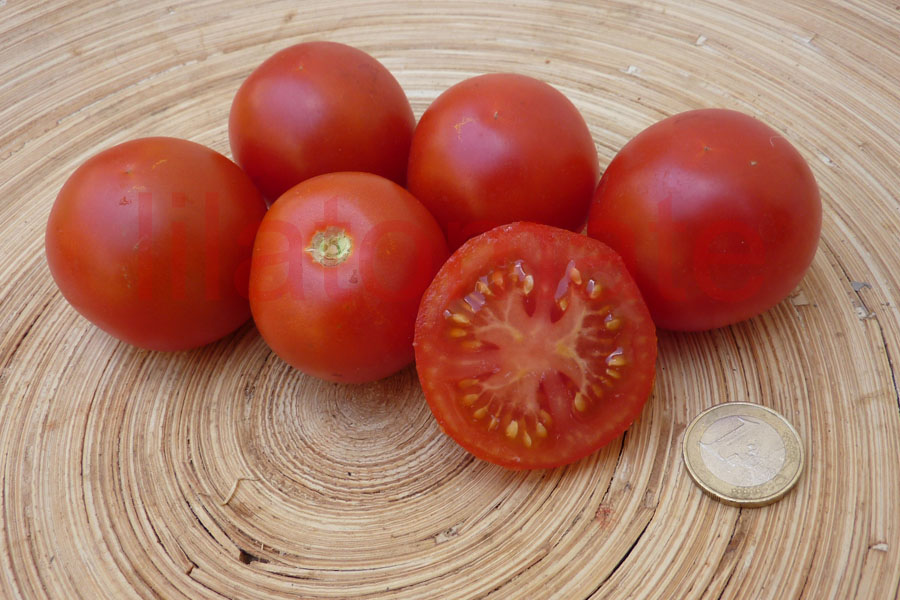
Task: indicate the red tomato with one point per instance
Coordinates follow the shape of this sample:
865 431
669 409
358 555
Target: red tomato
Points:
534 347
716 215
317 108
150 240
500 148
339 266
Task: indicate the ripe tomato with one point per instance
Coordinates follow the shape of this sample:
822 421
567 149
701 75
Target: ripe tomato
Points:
500 148
150 240
716 215
315 108
534 347
339 266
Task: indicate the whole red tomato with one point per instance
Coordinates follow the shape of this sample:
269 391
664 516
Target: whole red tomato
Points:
151 239
500 148
339 266
716 215
534 347
315 108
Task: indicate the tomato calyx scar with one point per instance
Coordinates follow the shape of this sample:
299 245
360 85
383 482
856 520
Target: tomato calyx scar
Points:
534 349
330 247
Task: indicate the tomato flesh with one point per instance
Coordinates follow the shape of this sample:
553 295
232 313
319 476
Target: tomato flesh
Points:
534 346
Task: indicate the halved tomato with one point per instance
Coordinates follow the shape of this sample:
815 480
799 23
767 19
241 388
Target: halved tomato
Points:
534 347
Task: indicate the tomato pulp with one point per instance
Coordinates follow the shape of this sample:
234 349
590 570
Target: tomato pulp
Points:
534 347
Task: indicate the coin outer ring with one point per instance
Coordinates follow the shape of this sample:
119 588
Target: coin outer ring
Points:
743 496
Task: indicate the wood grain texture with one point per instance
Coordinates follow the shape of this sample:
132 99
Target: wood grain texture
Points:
222 473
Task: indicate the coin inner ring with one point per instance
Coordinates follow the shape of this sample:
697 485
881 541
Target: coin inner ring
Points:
742 450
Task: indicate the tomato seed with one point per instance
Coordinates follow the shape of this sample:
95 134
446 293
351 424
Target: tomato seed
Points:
617 360
526 439
579 403
460 319
528 284
575 276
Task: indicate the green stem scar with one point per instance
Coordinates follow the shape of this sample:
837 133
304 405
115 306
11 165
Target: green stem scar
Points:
331 247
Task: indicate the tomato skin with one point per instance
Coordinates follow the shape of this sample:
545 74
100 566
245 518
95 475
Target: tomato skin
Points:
319 107
150 240
716 215
494 339
350 320
499 148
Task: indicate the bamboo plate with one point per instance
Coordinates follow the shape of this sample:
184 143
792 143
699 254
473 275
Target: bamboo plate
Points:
221 472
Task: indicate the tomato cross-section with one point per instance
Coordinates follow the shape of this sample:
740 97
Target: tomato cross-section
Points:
534 346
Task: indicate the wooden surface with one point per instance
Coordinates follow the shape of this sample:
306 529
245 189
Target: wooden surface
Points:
221 472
